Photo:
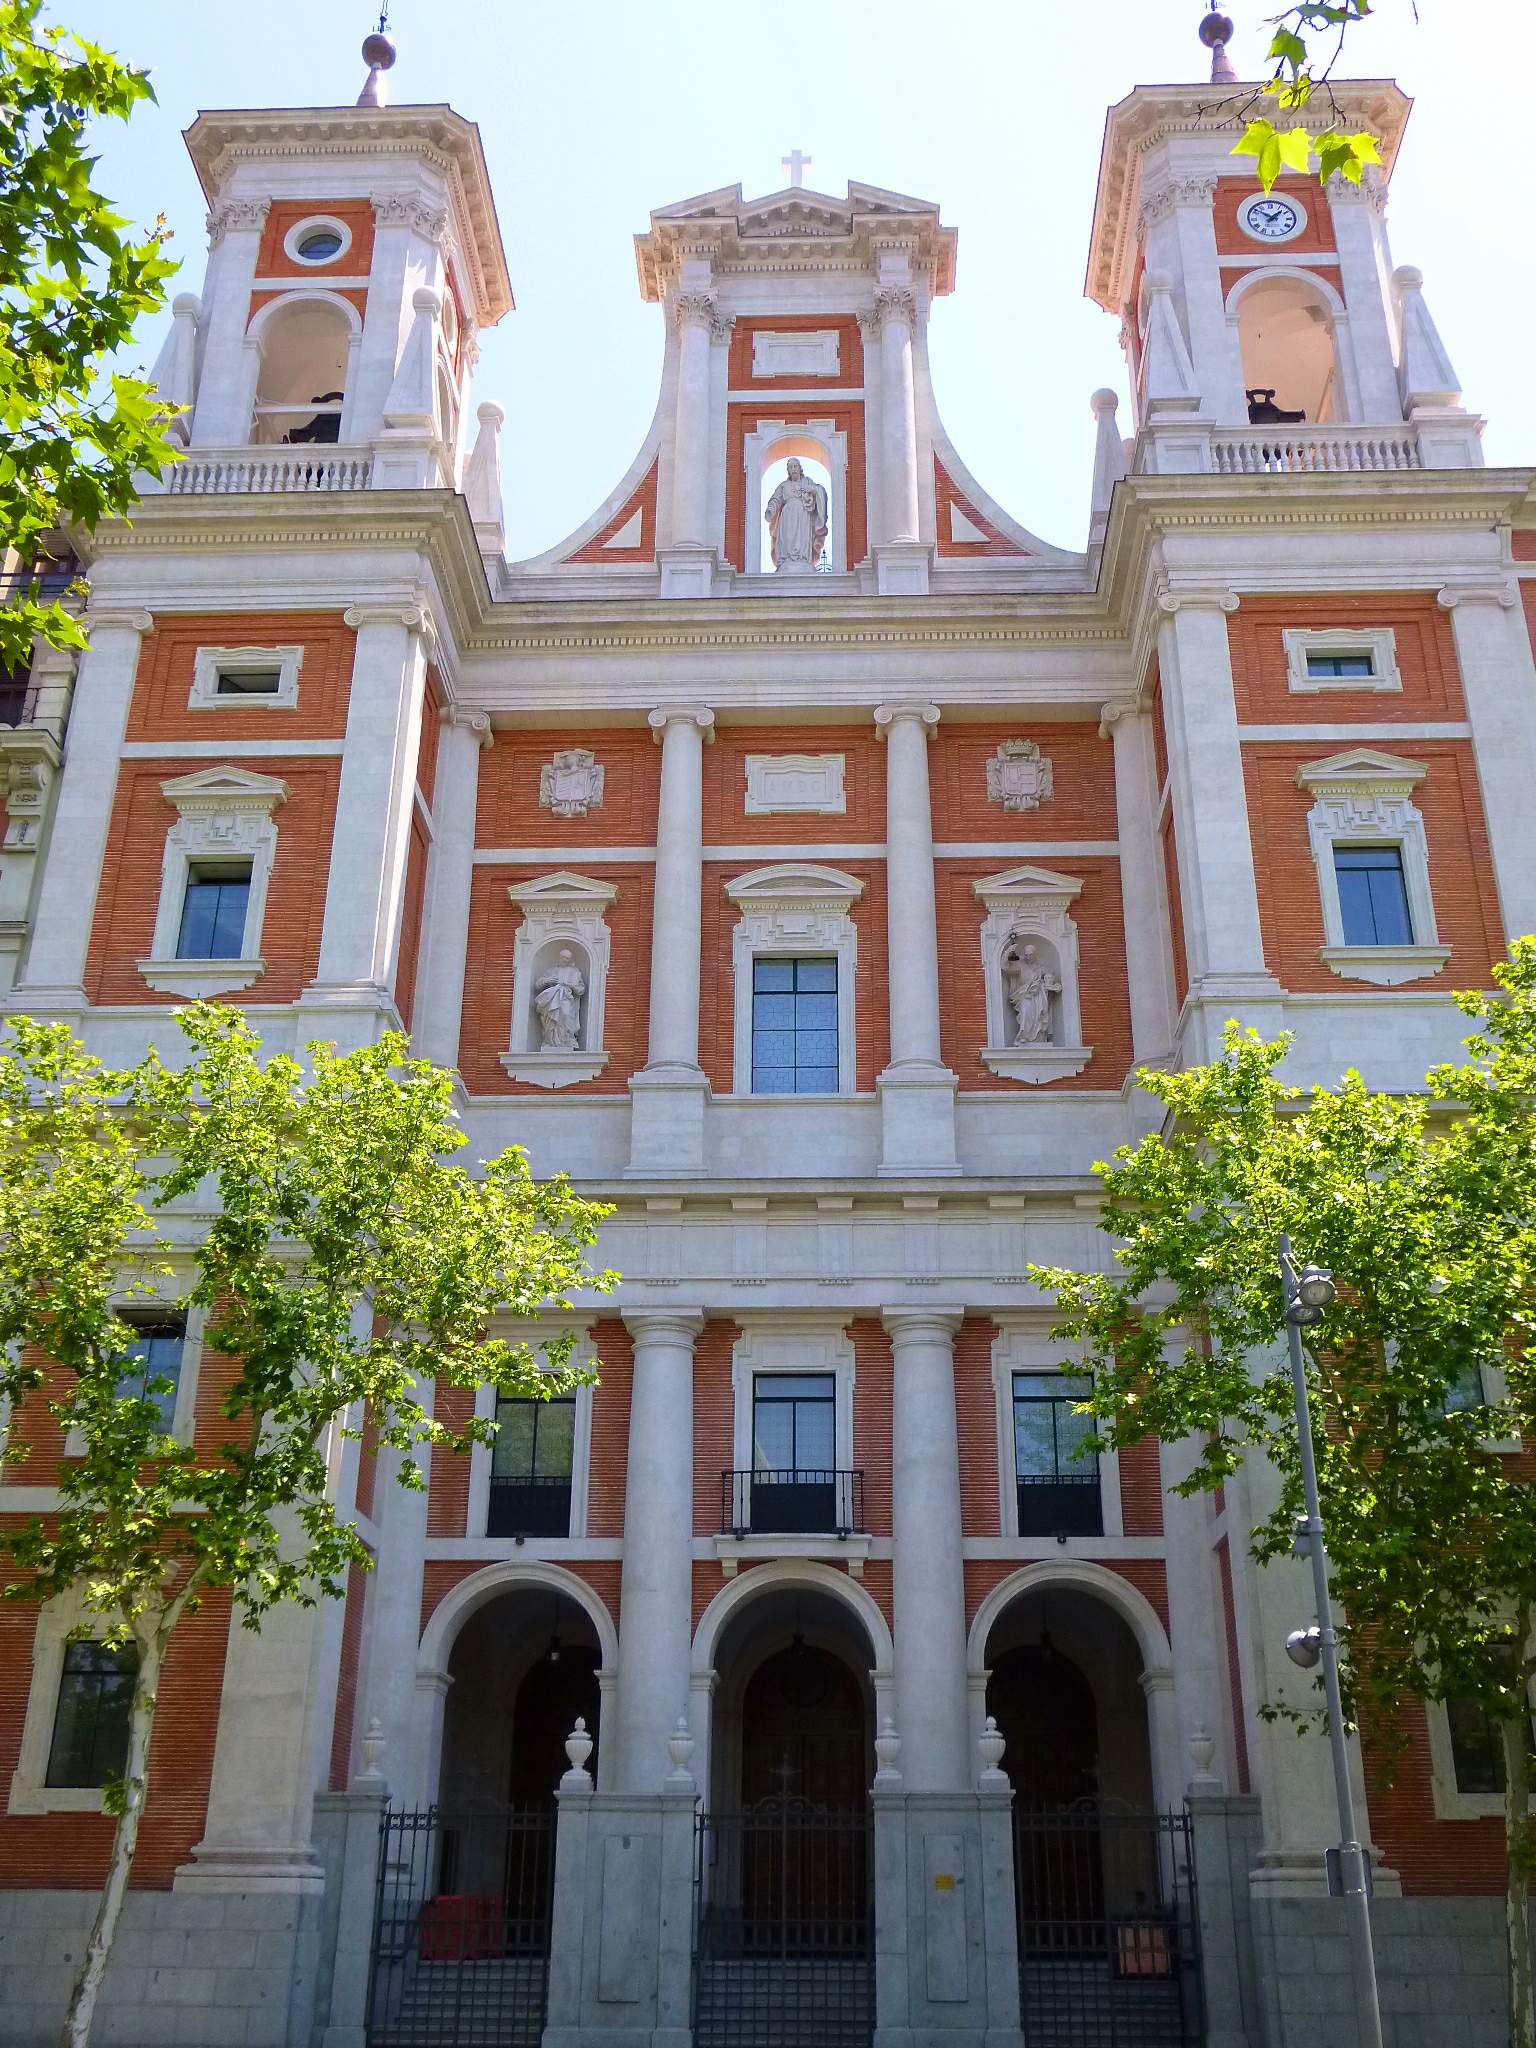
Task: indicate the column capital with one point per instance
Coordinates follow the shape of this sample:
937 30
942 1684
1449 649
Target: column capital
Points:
681 1325
115 619
895 302
1174 598
922 1322
247 216
412 616
465 720
681 714
1115 711
1494 590
887 715
695 309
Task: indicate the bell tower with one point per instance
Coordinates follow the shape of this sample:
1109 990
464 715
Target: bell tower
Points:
1244 308
354 257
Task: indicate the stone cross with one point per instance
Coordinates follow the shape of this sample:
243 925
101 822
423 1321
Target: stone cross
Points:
795 164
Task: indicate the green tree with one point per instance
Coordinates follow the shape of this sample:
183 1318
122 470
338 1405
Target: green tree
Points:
1307 42
1424 1209
72 286
341 1257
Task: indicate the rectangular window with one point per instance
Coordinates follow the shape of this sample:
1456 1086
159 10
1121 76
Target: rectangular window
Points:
1058 1492
155 1371
794 1027
90 1728
213 913
1341 667
531 1464
1477 1748
1465 1390
1373 897
248 682
794 1487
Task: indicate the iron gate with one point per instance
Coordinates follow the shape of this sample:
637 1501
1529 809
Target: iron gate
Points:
461 1928
1109 1933
783 1953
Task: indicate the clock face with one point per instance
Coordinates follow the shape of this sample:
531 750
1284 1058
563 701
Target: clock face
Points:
1270 219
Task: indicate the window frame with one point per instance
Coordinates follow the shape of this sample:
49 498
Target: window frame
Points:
584 1357
30 1793
193 1318
1450 1802
1027 1347
209 663
1389 853
1365 798
1379 642
794 962
307 226
801 910
71 1645
224 815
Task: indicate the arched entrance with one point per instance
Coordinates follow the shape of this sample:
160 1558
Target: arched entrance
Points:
785 1892
1103 1880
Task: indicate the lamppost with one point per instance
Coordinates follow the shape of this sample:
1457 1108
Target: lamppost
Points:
1307 1295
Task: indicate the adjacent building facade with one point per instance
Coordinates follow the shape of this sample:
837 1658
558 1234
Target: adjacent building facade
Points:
810 891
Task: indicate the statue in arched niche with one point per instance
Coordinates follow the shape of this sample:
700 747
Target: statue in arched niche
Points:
557 1004
1029 987
797 520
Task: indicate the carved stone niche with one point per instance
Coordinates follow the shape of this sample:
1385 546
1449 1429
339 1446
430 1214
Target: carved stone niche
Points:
559 980
1030 906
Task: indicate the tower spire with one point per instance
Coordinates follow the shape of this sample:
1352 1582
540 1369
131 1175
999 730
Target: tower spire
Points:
379 56
1216 33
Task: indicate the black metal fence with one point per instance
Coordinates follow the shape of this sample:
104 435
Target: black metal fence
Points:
784 1928
461 1928
1109 1932
792 1503
531 1506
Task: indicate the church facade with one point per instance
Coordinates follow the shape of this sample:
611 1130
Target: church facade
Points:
802 855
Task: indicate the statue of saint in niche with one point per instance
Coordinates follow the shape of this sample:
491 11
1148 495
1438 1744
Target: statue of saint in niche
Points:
797 521
557 1004
1029 988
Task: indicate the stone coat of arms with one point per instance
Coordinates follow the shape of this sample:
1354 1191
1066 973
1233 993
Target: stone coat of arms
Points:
571 784
1019 776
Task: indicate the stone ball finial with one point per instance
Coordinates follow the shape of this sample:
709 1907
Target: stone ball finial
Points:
427 299
379 52
1105 401
1158 281
490 414
186 306
1216 33
1408 277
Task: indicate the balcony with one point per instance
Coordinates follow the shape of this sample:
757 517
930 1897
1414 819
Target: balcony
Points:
798 1503
529 1507
222 472
1303 450
1061 1503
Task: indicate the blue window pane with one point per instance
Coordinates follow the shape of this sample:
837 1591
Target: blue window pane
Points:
213 917
1340 665
1373 897
773 1013
773 1048
773 974
154 1373
815 1080
815 1013
816 975
816 1048
773 1080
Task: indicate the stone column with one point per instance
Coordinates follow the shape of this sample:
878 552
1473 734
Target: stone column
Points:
1181 242
1219 897
928 1581
687 562
1498 681
668 1096
371 838
901 560
450 871
1148 938
54 970
656 1586
1365 265
225 385
917 1091
29 766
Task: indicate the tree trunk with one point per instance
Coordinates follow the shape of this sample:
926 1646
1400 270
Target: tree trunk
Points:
1516 1739
98 1950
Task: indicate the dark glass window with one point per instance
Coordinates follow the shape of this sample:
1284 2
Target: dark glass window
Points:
1465 1390
320 245
1058 1492
1373 897
794 1027
213 914
1477 1748
794 1422
155 1371
531 1464
249 682
1341 666
90 1728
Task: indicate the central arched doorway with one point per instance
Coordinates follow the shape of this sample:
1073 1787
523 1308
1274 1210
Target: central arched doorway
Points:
803 1732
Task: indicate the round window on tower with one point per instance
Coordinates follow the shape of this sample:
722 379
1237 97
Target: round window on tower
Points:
317 241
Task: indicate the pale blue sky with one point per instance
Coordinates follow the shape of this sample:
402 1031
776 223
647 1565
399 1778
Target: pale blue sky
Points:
592 115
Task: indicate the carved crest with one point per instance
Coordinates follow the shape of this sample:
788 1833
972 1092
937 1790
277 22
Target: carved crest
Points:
1019 776
571 784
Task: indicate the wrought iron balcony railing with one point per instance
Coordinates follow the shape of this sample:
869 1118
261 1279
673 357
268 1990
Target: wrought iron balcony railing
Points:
529 1507
1061 1503
792 1503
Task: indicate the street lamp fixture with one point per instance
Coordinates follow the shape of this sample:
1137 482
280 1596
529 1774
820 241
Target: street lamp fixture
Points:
1306 1295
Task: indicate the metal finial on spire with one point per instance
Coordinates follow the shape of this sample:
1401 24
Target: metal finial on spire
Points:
1216 33
379 56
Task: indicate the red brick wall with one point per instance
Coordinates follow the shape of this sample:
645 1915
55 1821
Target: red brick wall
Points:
411 908
123 926
976 1419
346 1685
1315 238
744 419
274 261
1082 802
1146 1574
642 500
163 684
448 1470
850 353
615 1354
713 1422
1141 1489
725 785
1234 1668
1460 865
440 1576
1426 659
508 812
946 495
872 1390
1435 1857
